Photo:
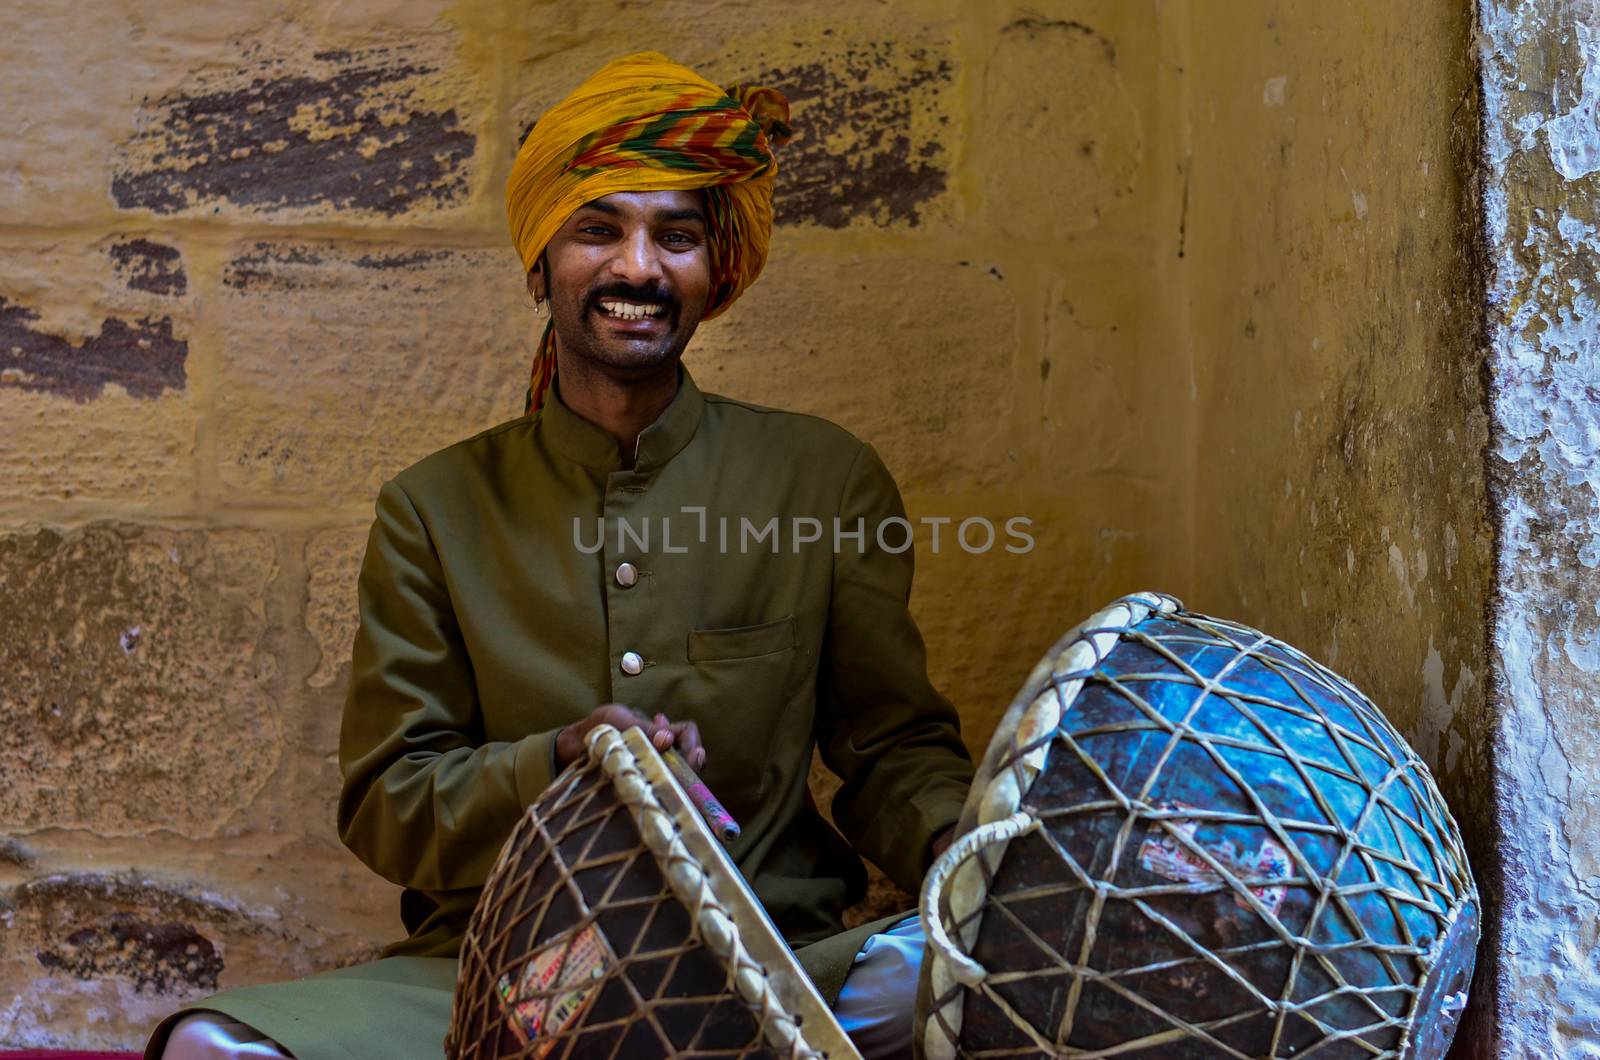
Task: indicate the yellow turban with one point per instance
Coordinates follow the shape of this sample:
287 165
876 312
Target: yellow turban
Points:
644 123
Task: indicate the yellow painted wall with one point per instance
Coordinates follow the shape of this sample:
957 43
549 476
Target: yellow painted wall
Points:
1075 261
1334 307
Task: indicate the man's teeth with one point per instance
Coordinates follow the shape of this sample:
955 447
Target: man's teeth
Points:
631 310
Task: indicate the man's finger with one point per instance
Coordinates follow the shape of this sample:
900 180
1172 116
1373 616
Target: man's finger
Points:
686 737
661 732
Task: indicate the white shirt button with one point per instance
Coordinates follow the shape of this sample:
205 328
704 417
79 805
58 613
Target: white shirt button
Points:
632 663
627 575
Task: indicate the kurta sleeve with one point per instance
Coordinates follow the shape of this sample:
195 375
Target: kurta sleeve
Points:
427 801
881 726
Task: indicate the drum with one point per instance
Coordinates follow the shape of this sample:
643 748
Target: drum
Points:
613 925
1188 839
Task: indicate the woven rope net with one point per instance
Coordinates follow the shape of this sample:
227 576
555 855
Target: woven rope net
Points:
600 935
1194 841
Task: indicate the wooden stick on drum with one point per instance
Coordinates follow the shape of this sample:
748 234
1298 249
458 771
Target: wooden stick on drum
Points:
717 816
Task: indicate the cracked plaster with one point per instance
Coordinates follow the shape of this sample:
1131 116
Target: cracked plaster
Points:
1541 80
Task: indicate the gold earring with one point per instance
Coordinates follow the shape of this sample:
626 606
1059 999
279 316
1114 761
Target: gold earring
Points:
538 306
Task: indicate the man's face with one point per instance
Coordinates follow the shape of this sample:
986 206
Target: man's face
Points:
628 278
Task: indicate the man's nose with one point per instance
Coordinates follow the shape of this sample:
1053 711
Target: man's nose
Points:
637 260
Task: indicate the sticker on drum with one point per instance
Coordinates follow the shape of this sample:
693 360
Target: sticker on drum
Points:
554 988
1163 853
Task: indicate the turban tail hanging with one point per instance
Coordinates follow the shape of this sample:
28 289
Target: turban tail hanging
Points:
644 123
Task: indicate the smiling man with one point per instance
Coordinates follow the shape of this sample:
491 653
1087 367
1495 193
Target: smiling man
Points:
494 635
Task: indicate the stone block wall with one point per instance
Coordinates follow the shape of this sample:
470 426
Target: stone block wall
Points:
255 263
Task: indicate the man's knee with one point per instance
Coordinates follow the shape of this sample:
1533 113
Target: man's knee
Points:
877 1005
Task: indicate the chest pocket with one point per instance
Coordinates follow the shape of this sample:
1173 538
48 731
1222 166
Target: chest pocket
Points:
742 642
742 677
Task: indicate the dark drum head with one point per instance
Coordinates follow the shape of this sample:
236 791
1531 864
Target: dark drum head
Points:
1443 997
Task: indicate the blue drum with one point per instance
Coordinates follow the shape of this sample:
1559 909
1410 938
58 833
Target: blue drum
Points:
1188 839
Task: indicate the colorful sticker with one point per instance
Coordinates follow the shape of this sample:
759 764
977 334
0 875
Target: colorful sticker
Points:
555 986
1164 855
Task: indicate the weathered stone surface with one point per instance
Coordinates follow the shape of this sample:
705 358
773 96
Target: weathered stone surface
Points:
349 362
94 959
14 851
819 334
153 956
61 106
1341 482
1060 134
1106 394
160 938
115 448
382 130
77 317
125 89
94 371
139 678
333 563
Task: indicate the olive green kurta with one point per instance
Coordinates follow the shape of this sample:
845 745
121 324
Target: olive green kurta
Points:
492 615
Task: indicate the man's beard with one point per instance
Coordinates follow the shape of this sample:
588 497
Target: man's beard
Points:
586 333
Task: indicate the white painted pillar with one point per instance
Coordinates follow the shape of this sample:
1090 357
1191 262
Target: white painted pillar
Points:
1541 83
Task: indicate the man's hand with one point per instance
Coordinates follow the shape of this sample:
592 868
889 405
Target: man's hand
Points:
663 733
942 841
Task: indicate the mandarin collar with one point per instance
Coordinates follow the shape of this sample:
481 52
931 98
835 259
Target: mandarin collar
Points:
592 446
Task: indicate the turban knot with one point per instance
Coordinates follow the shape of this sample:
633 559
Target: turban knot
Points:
644 123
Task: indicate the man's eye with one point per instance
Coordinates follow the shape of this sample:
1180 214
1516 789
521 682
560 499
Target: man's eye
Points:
678 238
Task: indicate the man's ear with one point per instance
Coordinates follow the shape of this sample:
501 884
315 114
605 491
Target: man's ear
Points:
536 284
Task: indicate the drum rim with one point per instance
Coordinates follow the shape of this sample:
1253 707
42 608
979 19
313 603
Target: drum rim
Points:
784 984
995 795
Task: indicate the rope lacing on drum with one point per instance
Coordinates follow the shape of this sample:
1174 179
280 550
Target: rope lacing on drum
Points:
956 892
694 889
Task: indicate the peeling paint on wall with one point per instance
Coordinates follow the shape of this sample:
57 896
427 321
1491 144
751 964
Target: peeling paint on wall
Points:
142 356
875 97
146 265
103 949
1541 80
343 129
156 957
